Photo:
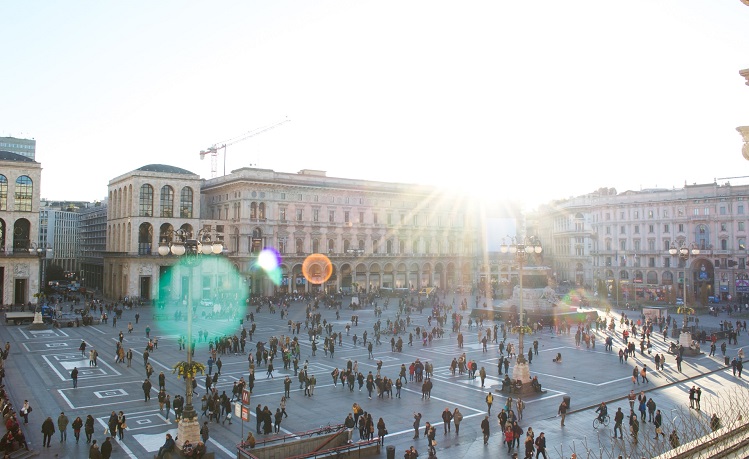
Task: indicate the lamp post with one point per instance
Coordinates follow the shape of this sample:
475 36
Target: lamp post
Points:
190 250
684 251
521 250
41 253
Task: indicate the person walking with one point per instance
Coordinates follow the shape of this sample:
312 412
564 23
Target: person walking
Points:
485 429
74 377
25 411
618 419
447 417
489 402
417 422
381 430
562 411
121 425
541 445
657 421
77 426
106 448
457 418
89 428
62 426
48 430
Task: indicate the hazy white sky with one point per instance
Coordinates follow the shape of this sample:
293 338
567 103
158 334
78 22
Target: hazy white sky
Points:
538 100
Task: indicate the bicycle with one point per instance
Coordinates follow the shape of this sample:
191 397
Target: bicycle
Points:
326 429
597 421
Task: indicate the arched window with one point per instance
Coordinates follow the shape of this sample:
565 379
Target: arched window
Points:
623 275
261 211
315 245
167 201
3 192
346 245
331 245
389 247
185 202
361 245
145 238
253 210
652 277
146 201
24 194
2 236
21 235
299 246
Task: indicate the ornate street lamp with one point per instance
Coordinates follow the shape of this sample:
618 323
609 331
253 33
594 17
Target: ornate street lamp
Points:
189 250
521 250
684 251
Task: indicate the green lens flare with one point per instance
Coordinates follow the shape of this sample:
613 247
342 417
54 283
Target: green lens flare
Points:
212 287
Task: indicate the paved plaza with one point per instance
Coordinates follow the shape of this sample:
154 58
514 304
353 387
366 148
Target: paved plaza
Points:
40 361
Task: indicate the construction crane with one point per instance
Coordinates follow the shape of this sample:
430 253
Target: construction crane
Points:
213 149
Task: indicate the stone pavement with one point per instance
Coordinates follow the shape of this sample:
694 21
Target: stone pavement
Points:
40 361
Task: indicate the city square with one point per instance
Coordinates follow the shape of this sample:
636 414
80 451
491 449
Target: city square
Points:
38 369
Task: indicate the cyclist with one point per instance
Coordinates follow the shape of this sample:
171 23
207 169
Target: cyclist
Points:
602 412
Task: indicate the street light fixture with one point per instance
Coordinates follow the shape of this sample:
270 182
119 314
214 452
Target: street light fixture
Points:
684 251
190 250
522 250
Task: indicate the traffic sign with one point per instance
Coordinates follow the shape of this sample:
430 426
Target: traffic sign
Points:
245 397
245 413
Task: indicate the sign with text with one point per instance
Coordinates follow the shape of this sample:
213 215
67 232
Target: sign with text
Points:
245 397
245 413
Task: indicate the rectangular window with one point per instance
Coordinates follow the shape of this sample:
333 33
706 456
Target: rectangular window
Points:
283 195
374 218
650 214
346 215
608 230
299 215
608 216
742 263
637 215
636 245
722 210
651 228
315 198
707 211
331 216
666 262
622 230
390 219
740 209
741 226
416 220
621 215
623 244
637 229
696 211
651 245
681 227
666 228
282 214
315 215
361 217
651 262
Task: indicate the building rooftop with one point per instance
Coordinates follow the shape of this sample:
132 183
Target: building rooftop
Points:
8 156
164 168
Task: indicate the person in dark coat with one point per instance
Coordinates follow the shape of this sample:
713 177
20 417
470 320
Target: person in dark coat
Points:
106 449
93 451
48 429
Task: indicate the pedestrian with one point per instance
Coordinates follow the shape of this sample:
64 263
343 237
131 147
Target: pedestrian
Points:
485 429
657 422
74 377
121 425
168 406
62 425
204 434
106 448
89 428
618 419
697 396
93 451
562 411
447 417
381 431
146 386
489 402
48 429
417 421
77 426
520 407
25 411
457 418
541 445
644 374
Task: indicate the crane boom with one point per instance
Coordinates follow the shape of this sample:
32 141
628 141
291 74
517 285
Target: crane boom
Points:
213 149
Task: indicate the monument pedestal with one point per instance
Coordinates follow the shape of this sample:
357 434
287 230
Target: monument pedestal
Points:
685 340
188 429
38 323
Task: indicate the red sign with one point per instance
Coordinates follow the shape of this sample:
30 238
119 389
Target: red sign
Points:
245 413
245 397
